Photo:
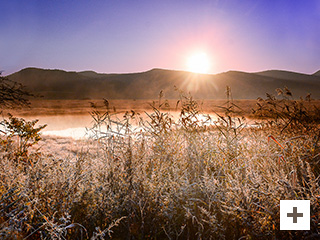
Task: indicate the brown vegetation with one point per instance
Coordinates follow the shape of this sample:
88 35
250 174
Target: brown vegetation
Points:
41 107
190 178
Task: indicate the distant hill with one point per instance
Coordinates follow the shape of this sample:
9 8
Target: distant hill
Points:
317 73
277 74
59 84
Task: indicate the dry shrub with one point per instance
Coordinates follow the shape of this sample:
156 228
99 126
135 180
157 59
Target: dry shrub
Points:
190 178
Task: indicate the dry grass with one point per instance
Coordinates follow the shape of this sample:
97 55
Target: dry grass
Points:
191 178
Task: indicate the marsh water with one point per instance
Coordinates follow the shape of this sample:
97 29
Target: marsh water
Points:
78 126
71 118
74 126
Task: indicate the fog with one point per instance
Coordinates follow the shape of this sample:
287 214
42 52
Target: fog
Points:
64 125
78 126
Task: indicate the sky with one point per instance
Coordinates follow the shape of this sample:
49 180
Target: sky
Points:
121 36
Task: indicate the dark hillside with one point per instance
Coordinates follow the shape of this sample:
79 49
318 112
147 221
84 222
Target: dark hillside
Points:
58 84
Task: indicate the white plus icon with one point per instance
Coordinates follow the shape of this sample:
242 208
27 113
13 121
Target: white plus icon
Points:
293 219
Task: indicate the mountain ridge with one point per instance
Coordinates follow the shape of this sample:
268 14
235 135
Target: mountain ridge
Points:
317 73
61 84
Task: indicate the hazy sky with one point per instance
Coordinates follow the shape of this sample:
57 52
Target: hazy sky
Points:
138 35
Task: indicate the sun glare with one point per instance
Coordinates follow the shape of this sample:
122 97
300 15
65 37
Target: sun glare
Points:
199 63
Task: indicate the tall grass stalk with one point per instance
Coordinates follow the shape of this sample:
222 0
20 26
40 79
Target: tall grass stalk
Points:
163 178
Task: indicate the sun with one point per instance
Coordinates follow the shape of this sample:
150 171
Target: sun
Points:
199 63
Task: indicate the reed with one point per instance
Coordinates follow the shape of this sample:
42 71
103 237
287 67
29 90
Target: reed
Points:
163 178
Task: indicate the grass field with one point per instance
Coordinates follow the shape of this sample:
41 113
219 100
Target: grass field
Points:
186 178
39 107
60 107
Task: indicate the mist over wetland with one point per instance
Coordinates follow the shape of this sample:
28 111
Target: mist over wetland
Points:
71 118
159 119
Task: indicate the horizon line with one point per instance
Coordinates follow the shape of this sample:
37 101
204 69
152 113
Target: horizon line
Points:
158 68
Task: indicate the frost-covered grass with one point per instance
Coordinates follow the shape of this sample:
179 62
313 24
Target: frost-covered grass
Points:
172 179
